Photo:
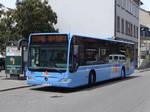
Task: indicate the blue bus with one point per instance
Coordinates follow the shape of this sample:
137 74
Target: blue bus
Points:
68 60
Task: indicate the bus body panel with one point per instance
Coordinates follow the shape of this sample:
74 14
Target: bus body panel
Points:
52 79
131 69
79 77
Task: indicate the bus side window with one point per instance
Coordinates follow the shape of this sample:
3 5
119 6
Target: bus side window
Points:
76 54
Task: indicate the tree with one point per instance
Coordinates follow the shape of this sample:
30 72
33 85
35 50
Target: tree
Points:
7 27
34 16
28 17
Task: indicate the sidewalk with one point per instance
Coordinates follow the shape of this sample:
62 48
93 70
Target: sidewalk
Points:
143 70
9 84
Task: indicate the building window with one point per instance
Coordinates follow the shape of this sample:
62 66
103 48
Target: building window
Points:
124 4
131 8
128 5
134 31
131 29
118 2
127 28
136 11
129 33
122 24
137 32
118 24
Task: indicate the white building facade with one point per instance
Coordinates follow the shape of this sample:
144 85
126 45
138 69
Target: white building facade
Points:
115 18
127 20
101 18
127 23
86 17
144 38
145 18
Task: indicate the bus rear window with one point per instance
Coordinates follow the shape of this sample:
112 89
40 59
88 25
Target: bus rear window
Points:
115 57
110 57
123 58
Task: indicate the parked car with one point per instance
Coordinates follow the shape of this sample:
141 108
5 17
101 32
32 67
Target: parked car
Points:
117 58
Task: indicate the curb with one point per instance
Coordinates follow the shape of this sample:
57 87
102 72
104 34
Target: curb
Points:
143 70
14 88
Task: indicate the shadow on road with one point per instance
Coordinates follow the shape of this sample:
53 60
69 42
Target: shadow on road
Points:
83 88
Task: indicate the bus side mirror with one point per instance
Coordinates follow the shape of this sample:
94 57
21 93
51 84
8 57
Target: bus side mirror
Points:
22 42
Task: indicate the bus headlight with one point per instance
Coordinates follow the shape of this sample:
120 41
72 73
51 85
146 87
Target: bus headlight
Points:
65 80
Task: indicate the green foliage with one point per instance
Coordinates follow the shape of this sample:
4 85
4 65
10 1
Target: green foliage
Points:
7 27
29 16
34 16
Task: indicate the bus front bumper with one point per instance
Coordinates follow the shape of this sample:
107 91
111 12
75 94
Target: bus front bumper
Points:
65 82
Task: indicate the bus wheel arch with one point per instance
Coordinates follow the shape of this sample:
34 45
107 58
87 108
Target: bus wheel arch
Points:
92 77
123 72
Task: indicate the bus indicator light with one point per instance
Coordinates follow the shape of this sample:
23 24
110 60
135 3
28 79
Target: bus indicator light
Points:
46 74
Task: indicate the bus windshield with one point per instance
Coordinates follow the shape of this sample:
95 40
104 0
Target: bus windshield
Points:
48 57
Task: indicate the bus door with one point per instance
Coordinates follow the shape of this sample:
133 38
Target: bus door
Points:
78 68
102 66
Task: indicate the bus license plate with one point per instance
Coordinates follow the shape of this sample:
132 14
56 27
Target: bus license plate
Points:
47 84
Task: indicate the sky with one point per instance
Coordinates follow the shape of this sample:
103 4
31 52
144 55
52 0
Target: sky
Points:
146 4
11 4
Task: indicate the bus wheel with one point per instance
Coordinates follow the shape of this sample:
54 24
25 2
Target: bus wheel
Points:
123 74
92 78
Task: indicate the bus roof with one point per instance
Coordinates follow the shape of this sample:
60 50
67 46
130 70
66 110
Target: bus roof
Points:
107 38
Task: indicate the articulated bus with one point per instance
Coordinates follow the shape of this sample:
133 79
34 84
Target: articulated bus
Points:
67 60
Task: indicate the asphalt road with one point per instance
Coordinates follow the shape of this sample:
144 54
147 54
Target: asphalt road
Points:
129 95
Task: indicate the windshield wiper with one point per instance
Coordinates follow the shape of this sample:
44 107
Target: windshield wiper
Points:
54 65
46 69
57 70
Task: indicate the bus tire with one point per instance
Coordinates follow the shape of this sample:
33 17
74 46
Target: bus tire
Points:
123 73
92 78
